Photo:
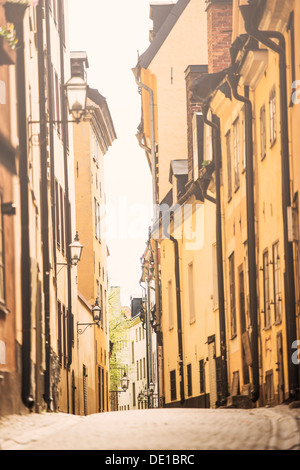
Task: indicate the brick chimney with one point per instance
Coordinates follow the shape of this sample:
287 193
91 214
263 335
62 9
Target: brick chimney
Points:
219 32
193 108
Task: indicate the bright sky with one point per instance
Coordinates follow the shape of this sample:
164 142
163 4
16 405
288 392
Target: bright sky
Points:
111 32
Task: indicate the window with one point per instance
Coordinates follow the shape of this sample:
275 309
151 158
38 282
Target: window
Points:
247 297
277 283
60 217
269 386
202 375
236 152
57 213
59 332
97 217
242 300
170 304
62 199
263 140
189 380
173 384
229 181
215 277
132 352
232 296
133 395
244 163
2 259
191 292
137 371
266 275
272 104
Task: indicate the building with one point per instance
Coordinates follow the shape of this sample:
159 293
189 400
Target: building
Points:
258 194
46 363
191 366
10 373
229 317
92 139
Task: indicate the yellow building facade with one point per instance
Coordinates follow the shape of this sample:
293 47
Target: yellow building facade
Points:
234 299
191 369
253 102
92 138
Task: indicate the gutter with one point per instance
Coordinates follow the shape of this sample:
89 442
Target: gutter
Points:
253 303
27 396
67 197
217 154
178 308
290 308
51 138
44 199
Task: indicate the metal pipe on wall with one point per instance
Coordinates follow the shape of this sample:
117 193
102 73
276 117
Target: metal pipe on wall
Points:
217 155
253 302
290 303
27 397
44 197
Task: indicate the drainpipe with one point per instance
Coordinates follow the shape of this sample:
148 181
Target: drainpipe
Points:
253 303
67 196
44 197
50 112
178 308
217 161
280 48
27 397
136 73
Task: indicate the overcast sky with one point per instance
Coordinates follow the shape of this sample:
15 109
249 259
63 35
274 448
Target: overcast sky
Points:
112 32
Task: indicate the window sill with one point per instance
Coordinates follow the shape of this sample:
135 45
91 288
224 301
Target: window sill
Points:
236 188
3 309
233 337
267 328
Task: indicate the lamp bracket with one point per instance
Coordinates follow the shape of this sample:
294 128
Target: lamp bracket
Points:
80 331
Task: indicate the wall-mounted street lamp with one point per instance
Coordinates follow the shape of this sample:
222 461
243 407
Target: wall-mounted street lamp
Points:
124 382
97 314
76 92
75 252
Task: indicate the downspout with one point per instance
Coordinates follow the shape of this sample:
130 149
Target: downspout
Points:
44 197
67 196
178 308
27 397
136 73
51 137
290 308
253 303
217 160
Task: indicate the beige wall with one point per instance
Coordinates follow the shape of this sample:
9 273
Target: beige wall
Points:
174 56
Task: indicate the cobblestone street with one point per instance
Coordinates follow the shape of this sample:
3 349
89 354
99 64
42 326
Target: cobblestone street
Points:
160 429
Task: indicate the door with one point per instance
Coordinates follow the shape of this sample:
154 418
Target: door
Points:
212 371
85 399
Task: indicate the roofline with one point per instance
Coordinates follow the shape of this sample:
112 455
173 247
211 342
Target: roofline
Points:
146 58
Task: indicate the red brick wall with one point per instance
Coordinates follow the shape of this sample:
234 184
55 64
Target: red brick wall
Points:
219 31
